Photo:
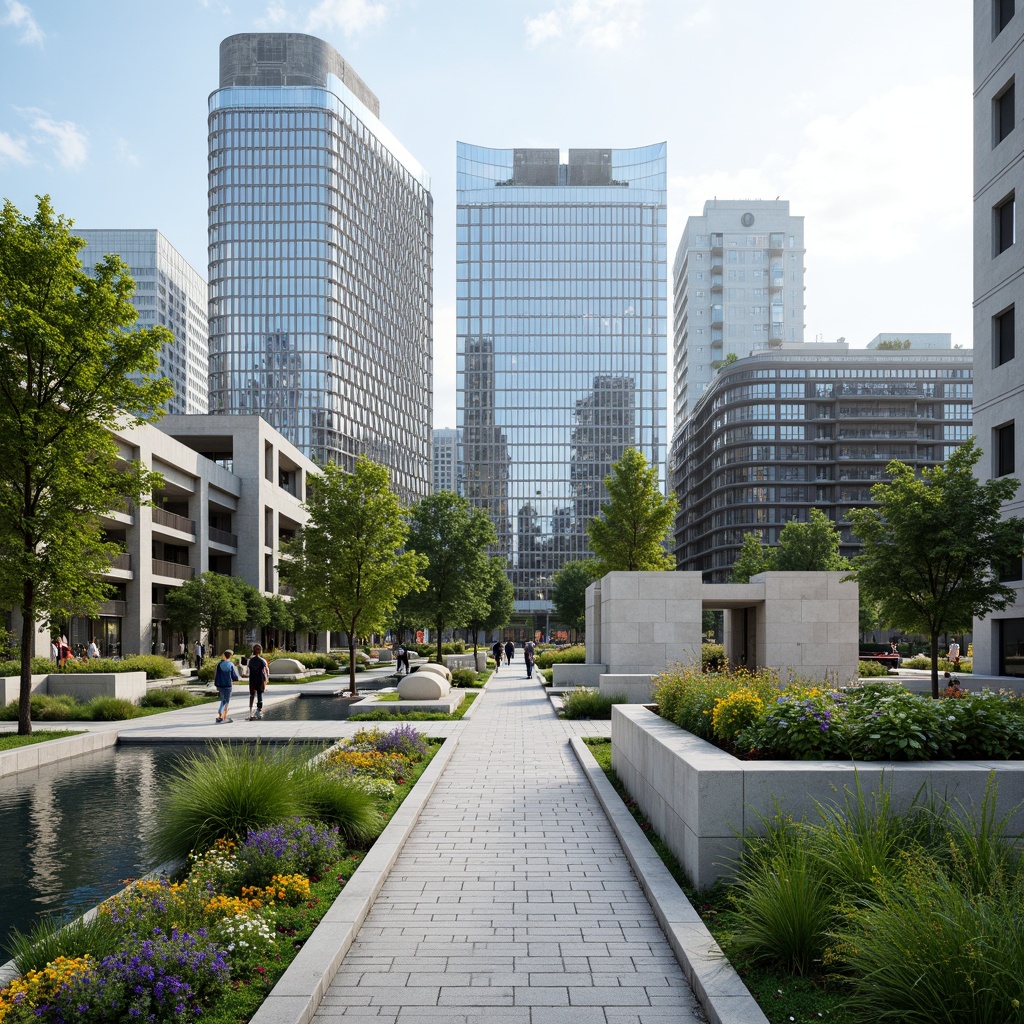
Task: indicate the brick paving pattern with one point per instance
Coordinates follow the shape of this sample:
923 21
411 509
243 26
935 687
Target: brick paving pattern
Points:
511 902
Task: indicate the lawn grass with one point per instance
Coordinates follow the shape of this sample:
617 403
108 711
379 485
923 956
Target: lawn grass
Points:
783 998
10 741
386 715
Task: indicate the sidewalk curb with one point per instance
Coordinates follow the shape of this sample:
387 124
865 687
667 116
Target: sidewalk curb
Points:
721 992
302 987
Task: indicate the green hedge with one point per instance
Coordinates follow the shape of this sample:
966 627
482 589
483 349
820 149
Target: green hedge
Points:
568 656
154 665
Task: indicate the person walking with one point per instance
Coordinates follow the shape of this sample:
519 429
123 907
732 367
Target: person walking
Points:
510 650
954 654
224 679
259 676
528 657
496 651
198 652
94 651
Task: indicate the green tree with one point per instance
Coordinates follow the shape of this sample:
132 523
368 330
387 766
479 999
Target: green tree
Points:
348 563
282 618
934 547
256 610
569 593
454 536
494 609
72 370
754 557
630 533
809 547
209 602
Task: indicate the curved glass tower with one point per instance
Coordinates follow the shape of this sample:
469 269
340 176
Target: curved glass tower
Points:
561 341
320 228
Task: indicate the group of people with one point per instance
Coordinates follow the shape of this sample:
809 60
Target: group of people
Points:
60 650
509 650
227 675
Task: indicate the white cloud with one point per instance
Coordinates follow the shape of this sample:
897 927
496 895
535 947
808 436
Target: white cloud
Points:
275 14
125 154
12 149
20 16
70 143
873 182
597 24
348 16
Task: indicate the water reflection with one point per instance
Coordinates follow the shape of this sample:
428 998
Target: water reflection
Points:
70 833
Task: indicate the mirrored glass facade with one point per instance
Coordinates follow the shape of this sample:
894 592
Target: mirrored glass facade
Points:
561 308
320 227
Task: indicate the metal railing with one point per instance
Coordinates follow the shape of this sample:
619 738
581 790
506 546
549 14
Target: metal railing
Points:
173 569
223 537
174 521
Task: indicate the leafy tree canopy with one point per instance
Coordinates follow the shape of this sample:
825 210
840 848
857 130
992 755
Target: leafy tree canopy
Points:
934 546
72 370
803 547
348 565
569 592
211 602
630 533
455 537
494 609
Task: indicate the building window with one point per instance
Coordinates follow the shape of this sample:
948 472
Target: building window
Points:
1003 331
1002 438
1003 11
1003 224
1003 114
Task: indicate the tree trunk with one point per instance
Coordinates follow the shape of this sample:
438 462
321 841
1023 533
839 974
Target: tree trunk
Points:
935 665
352 662
28 632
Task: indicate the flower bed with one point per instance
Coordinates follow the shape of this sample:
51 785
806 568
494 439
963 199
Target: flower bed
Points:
750 715
214 942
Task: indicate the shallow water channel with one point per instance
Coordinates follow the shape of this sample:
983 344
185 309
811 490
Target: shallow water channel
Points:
71 832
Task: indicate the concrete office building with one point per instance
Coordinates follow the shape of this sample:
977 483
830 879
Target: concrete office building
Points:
807 426
738 282
998 286
168 292
320 227
561 342
447 460
232 492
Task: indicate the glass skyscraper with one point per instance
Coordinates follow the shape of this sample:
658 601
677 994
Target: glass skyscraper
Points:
320 227
561 341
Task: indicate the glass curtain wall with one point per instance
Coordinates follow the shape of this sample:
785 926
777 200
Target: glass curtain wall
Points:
561 305
320 228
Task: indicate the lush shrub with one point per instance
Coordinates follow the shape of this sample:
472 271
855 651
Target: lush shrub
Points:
53 937
987 725
802 722
463 677
583 703
404 740
46 708
888 723
736 712
712 658
168 697
567 656
109 709
40 667
312 659
283 849
869 669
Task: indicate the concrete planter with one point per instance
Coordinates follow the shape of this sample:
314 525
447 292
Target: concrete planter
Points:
700 799
81 685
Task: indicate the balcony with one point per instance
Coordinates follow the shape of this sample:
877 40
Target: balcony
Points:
174 570
229 540
114 609
159 612
716 282
162 517
121 567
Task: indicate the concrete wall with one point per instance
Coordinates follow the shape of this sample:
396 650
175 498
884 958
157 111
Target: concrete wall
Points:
699 799
801 623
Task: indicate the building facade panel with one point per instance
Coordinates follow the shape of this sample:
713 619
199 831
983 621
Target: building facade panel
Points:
808 426
321 234
999 295
561 296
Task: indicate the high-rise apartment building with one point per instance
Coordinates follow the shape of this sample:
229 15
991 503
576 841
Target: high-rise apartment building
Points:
320 229
805 426
738 283
168 292
561 341
447 461
998 285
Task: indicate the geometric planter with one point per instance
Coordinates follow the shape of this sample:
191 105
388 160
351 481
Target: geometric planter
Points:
700 799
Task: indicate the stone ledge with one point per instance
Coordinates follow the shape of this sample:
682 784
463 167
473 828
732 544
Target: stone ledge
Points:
716 984
36 755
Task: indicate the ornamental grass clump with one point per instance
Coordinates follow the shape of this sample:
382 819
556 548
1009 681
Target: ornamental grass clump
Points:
581 702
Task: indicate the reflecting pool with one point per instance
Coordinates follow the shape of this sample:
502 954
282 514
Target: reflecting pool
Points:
71 832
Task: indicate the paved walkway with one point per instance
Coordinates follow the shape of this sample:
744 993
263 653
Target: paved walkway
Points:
511 902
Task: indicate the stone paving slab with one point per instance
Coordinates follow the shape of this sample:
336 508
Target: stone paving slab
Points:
511 900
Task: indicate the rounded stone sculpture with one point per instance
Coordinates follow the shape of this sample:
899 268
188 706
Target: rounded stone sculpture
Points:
424 686
286 667
432 666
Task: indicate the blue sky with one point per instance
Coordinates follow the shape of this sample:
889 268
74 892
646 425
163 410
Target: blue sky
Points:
857 111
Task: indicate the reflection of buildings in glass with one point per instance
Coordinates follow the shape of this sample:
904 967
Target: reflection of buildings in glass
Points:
485 452
605 429
561 269
321 229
